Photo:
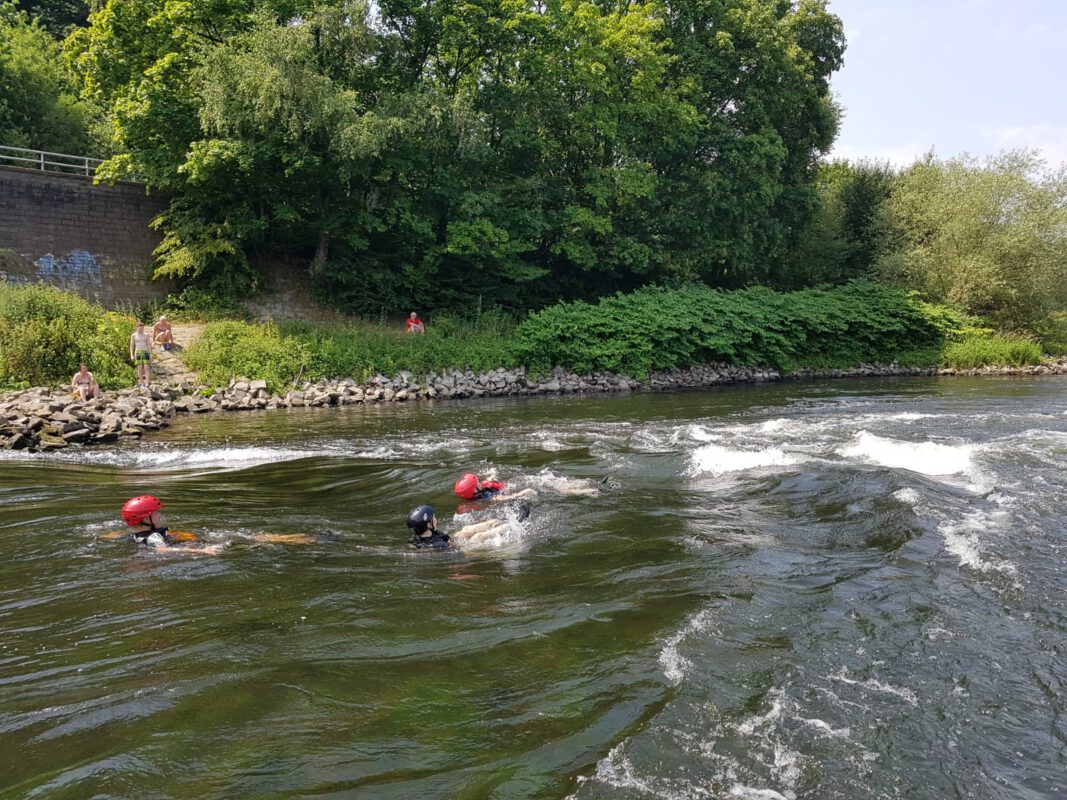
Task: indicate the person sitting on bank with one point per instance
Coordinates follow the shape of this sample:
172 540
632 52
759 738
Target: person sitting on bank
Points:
141 354
163 334
84 384
414 324
422 522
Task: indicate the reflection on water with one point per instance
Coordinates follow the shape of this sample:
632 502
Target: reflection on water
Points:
838 590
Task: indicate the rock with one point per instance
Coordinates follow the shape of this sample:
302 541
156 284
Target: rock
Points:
17 442
48 442
256 386
77 436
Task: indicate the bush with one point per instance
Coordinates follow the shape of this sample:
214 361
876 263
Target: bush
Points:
657 329
284 354
981 351
45 333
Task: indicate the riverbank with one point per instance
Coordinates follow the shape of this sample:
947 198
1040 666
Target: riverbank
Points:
45 420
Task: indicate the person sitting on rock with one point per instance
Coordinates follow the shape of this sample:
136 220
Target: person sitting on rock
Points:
414 324
84 384
163 334
141 354
422 522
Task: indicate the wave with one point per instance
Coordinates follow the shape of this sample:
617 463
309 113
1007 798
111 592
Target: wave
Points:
927 458
717 460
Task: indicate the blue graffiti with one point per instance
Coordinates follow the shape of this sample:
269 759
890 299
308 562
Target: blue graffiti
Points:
79 270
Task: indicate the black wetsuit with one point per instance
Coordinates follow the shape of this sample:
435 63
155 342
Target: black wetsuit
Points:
436 539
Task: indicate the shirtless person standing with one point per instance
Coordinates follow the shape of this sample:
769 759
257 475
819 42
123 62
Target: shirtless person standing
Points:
141 354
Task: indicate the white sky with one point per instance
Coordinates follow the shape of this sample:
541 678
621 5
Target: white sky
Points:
974 76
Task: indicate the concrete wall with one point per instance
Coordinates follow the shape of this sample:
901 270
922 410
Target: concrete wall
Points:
95 240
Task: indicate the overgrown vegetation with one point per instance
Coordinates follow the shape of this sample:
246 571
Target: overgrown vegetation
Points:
285 354
652 329
656 329
45 333
971 352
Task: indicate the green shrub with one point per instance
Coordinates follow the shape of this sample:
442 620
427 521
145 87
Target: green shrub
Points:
656 329
1001 351
1053 335
45 333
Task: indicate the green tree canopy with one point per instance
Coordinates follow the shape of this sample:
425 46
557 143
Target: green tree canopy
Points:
989 236
39 105
423 153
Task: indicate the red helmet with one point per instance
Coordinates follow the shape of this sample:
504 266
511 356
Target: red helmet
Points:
467 486
138 509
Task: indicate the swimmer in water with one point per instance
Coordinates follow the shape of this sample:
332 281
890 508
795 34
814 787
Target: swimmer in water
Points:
422 521
144 521
142 517
477 492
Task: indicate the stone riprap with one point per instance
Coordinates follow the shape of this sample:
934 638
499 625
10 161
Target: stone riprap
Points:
44 419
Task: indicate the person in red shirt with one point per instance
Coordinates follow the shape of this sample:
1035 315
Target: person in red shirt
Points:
414 324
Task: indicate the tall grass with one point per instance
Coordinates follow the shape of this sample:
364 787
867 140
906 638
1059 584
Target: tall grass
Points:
283 354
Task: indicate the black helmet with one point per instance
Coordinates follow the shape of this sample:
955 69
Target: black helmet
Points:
419 519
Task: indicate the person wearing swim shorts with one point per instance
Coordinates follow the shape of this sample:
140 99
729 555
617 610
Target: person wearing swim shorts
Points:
141 354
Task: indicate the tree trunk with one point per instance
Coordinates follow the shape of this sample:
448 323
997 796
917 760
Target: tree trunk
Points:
321 251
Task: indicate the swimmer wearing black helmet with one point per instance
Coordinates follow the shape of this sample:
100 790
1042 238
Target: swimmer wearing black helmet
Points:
422 521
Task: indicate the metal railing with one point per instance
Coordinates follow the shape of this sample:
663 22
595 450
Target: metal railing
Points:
48 162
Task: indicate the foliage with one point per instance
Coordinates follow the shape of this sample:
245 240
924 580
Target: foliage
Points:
1053 334
45 333
39 106
971 352
57 16
419 154
989 237
847 232
656 329
285 354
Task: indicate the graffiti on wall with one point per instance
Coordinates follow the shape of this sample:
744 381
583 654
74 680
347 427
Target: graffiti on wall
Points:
78 271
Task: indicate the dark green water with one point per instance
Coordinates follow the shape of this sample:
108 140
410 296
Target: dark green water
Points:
836 590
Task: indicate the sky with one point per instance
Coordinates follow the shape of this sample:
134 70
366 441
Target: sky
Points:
957 76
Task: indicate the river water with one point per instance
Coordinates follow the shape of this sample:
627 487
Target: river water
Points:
814 590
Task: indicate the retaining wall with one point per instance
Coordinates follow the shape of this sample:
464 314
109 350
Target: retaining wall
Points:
68 232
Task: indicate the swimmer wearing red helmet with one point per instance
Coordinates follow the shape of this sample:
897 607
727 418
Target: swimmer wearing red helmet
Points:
469 487
145 523
141 515
478 493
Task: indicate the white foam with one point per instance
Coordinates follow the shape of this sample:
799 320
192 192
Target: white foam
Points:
674 664
963 540
718 460
163 456
878 686
928 458
907 495
750 793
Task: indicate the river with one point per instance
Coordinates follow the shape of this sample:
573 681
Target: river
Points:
828 590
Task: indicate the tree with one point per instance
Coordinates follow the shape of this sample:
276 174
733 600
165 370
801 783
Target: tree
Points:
57 16
39 107
847 233
989 236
